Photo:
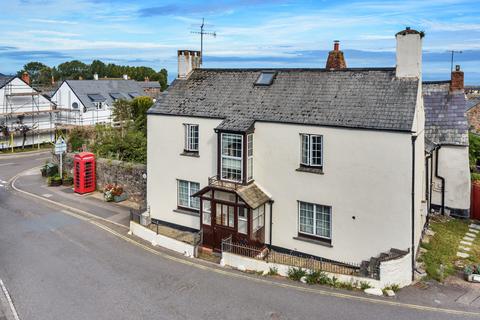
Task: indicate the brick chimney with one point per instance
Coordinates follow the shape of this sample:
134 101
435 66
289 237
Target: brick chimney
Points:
336 60
456 82
409 54
188 60
26 78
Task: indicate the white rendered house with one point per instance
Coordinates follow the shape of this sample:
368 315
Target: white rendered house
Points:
90 102
446 128
326 162
25 114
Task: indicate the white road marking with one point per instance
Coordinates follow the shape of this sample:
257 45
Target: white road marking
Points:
47 195
9 299
1 185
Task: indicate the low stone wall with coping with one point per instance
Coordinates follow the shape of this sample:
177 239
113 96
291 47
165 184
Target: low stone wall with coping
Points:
131 176
396 271
146 234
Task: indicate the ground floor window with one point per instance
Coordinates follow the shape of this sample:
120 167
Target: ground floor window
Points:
258 218
315 219
185 191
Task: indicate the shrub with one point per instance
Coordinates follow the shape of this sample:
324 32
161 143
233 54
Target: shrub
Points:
394 287
324 279
296 273
365 285
346 285
272 271
334 282
313 277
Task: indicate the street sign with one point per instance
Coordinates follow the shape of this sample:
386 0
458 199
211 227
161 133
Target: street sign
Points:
60 146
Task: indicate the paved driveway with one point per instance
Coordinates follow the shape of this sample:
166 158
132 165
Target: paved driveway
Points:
60 267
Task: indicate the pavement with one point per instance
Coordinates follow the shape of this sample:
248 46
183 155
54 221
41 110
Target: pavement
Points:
31 181
61 264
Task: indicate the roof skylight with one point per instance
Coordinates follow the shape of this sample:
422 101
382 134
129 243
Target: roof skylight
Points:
265 78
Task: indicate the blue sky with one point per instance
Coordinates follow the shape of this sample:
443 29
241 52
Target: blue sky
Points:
251 33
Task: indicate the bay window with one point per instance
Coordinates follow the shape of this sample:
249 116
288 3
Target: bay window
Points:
231 156
315 220
258 218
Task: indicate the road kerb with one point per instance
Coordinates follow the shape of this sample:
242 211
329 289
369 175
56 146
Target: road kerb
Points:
229 273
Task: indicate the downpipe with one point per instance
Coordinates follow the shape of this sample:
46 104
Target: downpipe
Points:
414 139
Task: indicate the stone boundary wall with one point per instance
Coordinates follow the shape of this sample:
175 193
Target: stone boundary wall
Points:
131 176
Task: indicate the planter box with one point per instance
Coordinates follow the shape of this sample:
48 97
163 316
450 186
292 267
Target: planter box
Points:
44 172
67 182
121 197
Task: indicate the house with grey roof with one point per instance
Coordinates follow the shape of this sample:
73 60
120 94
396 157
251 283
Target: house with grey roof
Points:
325 163
89 102
151 88
25 114
446 126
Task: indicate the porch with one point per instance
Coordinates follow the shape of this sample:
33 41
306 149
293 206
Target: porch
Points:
229 209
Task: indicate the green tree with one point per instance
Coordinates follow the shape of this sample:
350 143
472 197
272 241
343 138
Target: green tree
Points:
97 67
73 70
140 106
34 69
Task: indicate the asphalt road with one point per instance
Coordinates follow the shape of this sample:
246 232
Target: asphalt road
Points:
59 267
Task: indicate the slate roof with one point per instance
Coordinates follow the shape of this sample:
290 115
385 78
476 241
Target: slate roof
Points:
253 195
355 98
445 114
149 84
472 102
4 80
83 88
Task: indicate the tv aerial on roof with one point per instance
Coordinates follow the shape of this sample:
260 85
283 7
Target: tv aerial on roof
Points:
202 33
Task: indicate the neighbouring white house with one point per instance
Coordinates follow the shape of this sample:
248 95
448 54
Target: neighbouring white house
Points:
90 102
446 131
26 116
327 162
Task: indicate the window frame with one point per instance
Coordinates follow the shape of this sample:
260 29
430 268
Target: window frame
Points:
188 138
190 198
309 162
314 226
259 217
249 153
222 157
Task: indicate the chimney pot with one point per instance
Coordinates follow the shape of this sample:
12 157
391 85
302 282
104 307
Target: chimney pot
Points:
125 77
95 76
457 67
187 61
336 45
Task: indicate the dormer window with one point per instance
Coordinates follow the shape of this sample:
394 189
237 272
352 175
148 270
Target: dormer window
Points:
265 78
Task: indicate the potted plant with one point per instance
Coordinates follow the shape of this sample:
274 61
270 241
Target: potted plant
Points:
113 192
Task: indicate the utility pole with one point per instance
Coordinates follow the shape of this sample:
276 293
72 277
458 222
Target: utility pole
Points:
451 61
202 33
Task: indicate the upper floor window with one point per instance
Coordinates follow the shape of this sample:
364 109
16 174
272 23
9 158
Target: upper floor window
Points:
315 220
312 150
191 137
249 157
185 191
231 156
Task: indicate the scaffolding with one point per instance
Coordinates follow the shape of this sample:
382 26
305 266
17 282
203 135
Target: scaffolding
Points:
26 114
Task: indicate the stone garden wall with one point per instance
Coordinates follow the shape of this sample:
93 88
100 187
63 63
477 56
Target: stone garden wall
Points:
132 177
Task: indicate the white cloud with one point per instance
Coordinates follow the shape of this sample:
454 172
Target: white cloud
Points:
52 21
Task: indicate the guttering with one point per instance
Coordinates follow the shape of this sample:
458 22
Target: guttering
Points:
442 210
271 224
414 138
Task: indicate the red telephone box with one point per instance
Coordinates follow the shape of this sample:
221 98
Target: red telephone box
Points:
84 172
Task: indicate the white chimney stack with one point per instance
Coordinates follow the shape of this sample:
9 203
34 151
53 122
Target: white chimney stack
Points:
188 60
95 76
409 54
125 77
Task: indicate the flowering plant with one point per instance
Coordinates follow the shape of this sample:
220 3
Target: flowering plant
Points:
112 190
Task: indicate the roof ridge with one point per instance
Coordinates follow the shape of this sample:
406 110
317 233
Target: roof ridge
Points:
297 69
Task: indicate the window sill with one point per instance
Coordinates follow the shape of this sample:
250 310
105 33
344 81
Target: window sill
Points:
325 243
190 154
310 170
187 211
